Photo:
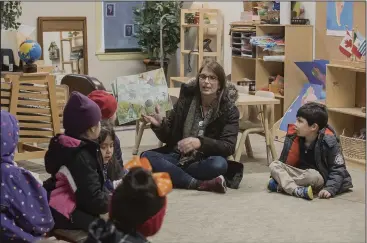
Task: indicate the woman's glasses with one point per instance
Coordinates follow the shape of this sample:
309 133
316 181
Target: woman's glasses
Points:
211 78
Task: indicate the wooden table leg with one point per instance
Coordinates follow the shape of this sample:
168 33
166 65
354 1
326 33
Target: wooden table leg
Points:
268 137
171 83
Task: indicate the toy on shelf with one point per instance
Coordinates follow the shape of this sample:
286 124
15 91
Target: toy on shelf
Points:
298 13
361 134
276 84
272 45
29 52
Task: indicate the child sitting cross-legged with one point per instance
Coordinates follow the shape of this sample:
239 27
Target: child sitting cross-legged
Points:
112 170
137 207
311 160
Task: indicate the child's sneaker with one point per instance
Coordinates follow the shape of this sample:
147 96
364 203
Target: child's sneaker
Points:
304 192
217 184
272 185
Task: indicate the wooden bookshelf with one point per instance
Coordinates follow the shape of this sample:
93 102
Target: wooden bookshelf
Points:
298 47
202 28
345 95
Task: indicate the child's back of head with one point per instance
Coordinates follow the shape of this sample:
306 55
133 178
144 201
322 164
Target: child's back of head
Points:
80 116
136 205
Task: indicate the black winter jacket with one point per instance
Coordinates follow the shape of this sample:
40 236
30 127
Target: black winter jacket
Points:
328 156
101 231
220 136
84 161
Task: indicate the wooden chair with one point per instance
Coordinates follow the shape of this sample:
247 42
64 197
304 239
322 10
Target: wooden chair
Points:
247 127
37 104
82 83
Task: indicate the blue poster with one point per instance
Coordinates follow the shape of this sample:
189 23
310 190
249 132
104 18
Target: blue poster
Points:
338 16
315 71
309 93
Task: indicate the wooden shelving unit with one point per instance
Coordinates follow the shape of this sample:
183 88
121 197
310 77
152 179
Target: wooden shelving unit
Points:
70 40
298 47
200 53
345 97
202 27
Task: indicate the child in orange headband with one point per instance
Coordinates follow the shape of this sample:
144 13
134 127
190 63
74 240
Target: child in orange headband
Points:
137 208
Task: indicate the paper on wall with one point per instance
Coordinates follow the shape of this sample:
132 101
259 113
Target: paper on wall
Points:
24 33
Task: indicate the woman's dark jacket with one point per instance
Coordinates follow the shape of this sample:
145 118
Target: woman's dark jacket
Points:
220 136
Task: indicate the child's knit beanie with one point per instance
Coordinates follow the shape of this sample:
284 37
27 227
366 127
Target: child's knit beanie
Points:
106 102
80 114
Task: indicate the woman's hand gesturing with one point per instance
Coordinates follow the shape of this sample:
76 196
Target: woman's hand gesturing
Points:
156 118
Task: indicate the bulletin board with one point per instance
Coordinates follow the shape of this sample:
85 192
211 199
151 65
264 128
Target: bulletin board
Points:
327 47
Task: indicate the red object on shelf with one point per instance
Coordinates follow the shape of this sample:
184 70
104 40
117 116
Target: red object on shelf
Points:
197 18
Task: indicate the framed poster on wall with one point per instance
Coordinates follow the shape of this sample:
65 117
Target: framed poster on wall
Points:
339 18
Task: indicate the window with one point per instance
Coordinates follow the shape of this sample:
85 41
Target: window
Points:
115 31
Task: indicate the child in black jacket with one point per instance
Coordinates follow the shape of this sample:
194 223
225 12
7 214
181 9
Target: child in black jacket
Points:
312 160
76 187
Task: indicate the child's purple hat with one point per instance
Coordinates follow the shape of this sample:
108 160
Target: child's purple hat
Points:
80 114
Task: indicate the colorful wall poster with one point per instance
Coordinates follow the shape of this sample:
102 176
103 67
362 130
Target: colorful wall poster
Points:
309 93
339 15
139 94
315 71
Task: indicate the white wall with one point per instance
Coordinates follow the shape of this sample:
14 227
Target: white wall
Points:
231 12
105 71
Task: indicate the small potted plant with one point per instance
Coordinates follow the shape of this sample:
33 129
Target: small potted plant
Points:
10 13
189 18
147 19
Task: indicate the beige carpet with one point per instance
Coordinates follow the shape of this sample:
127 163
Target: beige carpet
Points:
251 214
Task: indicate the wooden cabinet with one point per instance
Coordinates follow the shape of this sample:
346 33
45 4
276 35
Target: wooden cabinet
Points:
298 47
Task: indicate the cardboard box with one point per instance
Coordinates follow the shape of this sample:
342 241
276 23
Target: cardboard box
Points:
247 6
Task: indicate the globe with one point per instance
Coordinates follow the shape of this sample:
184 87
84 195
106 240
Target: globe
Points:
29 51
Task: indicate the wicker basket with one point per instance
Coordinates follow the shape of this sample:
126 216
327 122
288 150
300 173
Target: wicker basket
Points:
353 148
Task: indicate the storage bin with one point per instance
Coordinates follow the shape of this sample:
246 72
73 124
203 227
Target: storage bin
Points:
353 148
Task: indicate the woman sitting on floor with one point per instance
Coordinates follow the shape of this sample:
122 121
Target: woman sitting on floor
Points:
200 132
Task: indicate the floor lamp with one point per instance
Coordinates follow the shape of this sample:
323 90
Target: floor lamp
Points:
161 38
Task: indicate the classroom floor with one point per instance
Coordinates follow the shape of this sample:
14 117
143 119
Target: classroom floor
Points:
251 214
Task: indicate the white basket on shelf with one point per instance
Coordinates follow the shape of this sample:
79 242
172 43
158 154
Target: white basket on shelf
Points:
353 148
